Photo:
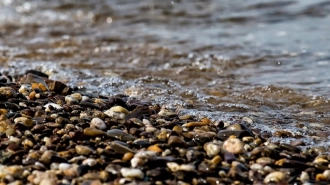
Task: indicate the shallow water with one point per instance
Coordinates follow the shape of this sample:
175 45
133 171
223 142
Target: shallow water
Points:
223 59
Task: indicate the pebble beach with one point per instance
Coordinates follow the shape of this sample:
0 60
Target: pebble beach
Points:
164 92
52 133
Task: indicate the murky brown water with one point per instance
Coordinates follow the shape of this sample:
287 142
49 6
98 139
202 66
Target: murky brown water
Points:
224 59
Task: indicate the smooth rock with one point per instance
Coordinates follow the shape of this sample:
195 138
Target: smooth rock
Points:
83 150
233 145
212 149
98 124
131 173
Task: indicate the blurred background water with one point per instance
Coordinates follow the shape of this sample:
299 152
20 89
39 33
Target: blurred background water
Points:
223 59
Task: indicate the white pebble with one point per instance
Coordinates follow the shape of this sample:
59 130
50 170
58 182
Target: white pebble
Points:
212 149
137 161
131 173
174 167
89 162
98 123
233 145
84 98
304 177
56 106
64 166
277 177
70 99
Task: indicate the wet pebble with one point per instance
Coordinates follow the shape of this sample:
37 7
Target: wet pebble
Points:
98 124
212 149
83 150
276 177
233 145
131 173
175 141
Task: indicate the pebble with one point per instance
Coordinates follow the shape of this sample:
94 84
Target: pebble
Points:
233 145
14 171
70 99
118 112
54 105
131 173
155 148
83 150
195 124
212 149
98 124
304 177
28 122
127 156
64 166
93 132
276 177
61 137
175 141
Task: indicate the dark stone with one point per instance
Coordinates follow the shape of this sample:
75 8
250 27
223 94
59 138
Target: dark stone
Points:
88 104
20 127
224 134
67 90
290 148
113 101
159 174
137 113
193 155
3 79
175 141
186 176
229 157
58 159
12 106
56 86
38 73
83 169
